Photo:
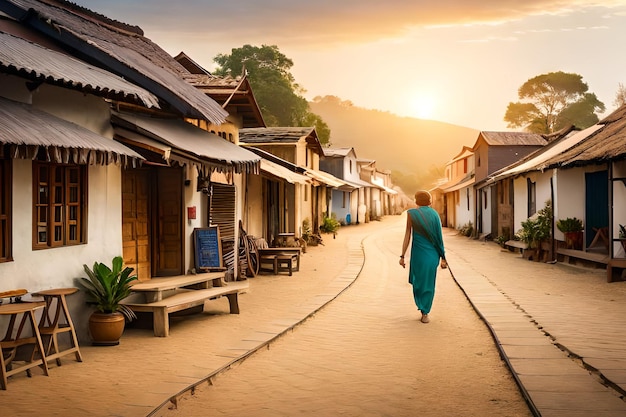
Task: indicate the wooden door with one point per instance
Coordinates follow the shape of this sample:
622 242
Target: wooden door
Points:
169 241
136 221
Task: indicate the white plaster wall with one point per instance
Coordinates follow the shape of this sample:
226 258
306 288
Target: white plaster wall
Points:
619 206
60 267
569 192
253 208
85 110
463 214
485 207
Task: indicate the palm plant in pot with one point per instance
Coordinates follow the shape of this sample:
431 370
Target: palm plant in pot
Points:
106 288
572 228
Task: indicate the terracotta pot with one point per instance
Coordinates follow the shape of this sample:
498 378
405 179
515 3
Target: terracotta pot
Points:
106 328
574 240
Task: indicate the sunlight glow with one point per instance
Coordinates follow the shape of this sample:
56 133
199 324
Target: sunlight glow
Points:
423 107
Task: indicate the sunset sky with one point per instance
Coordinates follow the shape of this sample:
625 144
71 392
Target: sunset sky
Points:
457 61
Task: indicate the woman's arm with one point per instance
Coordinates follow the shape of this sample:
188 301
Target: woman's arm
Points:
407 238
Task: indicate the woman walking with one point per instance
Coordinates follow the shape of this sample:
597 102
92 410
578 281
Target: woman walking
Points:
423 225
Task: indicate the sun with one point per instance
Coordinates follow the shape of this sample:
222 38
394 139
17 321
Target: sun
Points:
423 107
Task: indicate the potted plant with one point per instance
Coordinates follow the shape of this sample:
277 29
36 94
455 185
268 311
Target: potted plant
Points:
536 232
106 288
572 228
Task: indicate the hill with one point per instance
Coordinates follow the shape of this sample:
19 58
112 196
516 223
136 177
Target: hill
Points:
408 145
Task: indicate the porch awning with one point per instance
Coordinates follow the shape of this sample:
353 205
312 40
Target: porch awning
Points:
280 171
27 130
328 179
459 185
191 142
386 189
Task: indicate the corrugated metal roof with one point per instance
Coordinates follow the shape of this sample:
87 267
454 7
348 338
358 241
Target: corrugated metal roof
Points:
330 152
37 63
512 138
218 153
328 179
460 184
283 173
142 61
275 134
27 129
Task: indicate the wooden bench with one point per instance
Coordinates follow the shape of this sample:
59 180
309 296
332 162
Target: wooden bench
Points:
515 245
183 299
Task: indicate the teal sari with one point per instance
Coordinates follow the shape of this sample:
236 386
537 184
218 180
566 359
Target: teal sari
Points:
426 251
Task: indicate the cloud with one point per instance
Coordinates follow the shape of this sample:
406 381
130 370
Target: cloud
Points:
324 22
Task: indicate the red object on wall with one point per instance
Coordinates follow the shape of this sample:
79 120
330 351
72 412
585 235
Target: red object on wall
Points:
191 213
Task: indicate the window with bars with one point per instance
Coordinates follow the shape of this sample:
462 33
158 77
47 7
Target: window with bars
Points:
6 238
59 205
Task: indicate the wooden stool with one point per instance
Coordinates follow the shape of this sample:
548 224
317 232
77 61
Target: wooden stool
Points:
56 319
268 259
285 262
15 338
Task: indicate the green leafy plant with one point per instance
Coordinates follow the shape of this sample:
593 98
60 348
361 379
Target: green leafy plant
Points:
107 286
538 227
501 239
622 231
570 224
330 224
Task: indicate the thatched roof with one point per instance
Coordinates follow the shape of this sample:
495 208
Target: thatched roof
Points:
606 144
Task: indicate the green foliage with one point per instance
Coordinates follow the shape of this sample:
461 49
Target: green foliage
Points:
108 286
467 229
538 227
501 239
622 231
306 229
570 224
330 224
552 102
277 93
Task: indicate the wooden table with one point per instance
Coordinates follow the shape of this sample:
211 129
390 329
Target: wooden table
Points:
154 288
56 319
16 337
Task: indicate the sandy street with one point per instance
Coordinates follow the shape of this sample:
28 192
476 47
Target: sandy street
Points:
367 354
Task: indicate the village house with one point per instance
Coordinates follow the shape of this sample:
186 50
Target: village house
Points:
342 163
493 151
290 205
458 192
594 170
128 176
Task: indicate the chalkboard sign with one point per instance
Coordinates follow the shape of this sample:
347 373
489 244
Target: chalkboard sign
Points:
208 248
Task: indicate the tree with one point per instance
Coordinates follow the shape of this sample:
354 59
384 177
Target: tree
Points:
277 93
552 102
620 96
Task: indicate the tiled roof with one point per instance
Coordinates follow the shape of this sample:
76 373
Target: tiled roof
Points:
513 138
